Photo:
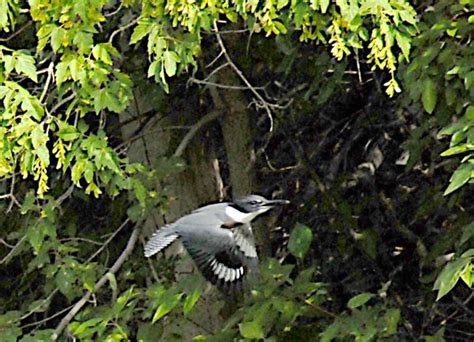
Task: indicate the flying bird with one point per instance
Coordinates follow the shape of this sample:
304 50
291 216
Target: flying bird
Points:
218 237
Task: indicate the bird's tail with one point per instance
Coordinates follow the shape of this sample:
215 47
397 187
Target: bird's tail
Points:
160 240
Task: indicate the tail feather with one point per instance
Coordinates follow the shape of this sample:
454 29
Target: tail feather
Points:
160 240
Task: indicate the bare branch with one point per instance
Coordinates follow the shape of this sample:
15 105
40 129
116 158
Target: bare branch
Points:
123 28
48 81
59 313
17 32
6 244
111 237
194 129
261 101
13 250
218 85
62 102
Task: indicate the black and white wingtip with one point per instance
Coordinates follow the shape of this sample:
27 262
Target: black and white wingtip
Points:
160 240
222 269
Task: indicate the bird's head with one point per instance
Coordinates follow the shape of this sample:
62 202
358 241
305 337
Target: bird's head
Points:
256 203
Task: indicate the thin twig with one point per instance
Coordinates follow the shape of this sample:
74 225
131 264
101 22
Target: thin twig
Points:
65 195
44 320
32 311
12 195
123 28
194 129
359 74
228 31
108 240
81 239
17 32
101 282
6 243
320 309
48 81
216 70
136 137
114 12
12 251
60 103
218 85
263 103
215 60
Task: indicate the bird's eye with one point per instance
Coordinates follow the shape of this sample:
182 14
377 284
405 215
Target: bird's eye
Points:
255 202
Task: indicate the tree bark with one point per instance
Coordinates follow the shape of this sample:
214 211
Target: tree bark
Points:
198 184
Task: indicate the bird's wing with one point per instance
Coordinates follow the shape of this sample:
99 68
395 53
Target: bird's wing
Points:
244 240
222 255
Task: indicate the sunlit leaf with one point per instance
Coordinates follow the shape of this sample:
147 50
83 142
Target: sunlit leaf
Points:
459 177
168 304
449 276
191 300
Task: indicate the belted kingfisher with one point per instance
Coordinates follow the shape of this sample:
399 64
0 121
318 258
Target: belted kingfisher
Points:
218 237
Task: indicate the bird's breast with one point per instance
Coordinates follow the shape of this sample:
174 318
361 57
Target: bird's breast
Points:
236 217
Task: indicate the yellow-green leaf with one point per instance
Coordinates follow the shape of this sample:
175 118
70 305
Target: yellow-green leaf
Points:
168 305
459 177
251 330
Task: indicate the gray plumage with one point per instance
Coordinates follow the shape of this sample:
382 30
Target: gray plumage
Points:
218 237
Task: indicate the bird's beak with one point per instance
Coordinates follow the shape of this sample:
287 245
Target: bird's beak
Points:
271 203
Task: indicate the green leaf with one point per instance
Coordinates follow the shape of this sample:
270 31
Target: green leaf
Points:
300 240
101 53
282 3
92 187
168 305
466 276
62 72
57 37
449 276
459 178
26 65
75 69
467 233
140 192
251 330
404 42
469 80
9 63
392 317
65 281
68 133
324 6
429 95
468 254
38 137
170 59
191 300
359 300
43 154
141 30
82 327
457 149
470 113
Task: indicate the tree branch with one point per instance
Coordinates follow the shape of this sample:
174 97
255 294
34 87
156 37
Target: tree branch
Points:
115 267
194 129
